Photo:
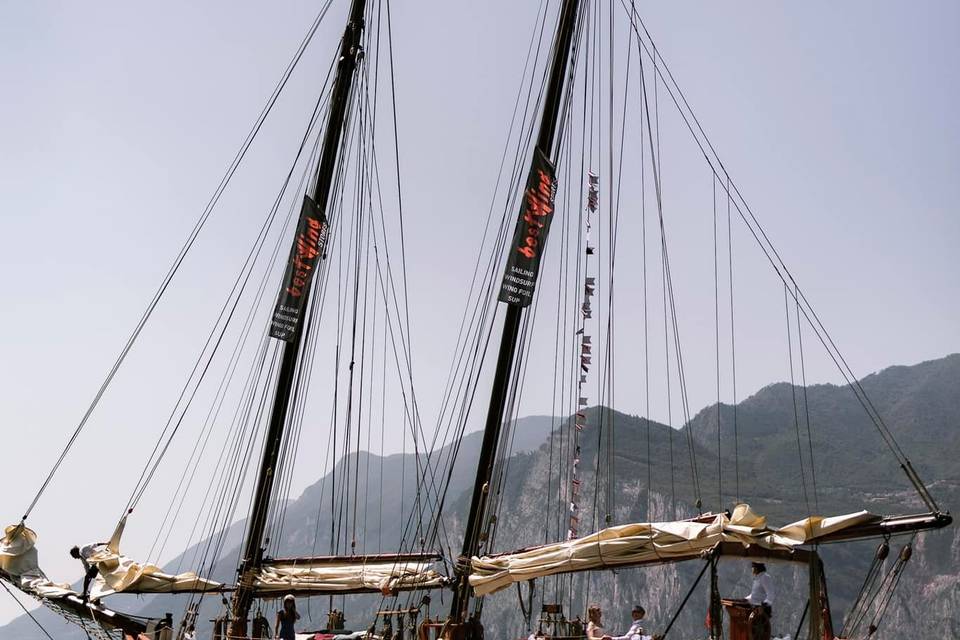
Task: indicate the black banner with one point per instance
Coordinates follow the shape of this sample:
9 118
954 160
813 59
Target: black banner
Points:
305 254
530 236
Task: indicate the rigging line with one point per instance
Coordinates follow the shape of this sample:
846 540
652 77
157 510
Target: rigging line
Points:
302 381
462 334
898 568
396 147
559 377
372 366
383 421
716 329
484 334
863 600
232 366
355 310
655 177
291 444
646 332
780 268
235 434
25 610
793 392
552 508
266 399
806 411
514 171
613 229
265 340
241 445
181 255
706 565
733 350
485 325
416 423
238 288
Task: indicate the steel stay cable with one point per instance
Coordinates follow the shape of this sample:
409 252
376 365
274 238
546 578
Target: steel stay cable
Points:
783 273
234 359
484 322
25 610
235 294
796 413
208 209
716 329
733 349
806 413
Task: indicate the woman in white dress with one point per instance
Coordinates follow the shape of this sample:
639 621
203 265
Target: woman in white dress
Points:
594 623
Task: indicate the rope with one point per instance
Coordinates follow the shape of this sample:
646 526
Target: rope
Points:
683 603
716 330
181 255
793 393
25 610
773 257
860 603
733 350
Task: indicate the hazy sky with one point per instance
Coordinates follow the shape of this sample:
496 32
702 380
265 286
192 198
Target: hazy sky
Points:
838 121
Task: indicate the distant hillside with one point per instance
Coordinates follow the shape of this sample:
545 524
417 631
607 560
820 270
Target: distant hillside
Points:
920 404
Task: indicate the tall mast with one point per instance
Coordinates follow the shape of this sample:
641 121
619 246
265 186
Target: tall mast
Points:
313 220
543 151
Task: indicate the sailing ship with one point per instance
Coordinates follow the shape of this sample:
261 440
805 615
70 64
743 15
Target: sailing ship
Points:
564 88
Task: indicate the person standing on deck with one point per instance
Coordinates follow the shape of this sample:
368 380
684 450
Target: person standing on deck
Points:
286 618
761 599
762 591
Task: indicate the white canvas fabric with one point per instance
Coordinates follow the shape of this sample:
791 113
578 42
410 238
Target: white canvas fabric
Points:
117 573
19 561
647 542
120 574
331 578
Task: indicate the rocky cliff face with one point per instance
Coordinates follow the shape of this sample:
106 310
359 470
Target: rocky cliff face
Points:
633 482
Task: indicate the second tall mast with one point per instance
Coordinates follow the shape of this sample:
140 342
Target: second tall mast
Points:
288 322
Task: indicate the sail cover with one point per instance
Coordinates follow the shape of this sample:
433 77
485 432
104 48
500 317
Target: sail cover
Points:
650 542
282 577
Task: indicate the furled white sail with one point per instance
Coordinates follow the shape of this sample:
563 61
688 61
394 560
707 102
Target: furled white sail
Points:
280 577
19 561
649 542
120 574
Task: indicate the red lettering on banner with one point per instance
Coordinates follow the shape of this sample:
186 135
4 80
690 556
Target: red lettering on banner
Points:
538 208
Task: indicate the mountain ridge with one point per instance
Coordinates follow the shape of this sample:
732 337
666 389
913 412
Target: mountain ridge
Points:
920 400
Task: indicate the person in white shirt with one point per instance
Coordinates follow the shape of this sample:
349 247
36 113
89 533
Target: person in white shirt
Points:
762 591
83 554
635 632
761 600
